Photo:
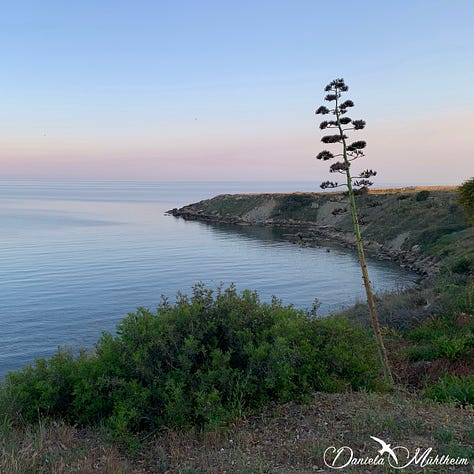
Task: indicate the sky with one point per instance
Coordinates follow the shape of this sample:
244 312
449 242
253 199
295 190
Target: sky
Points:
226 90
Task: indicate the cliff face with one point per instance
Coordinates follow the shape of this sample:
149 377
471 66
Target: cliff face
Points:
401 224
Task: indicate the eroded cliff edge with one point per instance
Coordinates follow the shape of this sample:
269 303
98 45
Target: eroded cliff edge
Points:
406 225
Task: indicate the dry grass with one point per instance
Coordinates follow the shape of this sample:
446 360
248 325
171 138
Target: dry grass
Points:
411 189
57 448
282 440
292 438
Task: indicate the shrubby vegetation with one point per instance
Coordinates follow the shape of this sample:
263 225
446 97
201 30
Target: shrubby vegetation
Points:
422 195
446 340
453 389
443 337
466 198
202 361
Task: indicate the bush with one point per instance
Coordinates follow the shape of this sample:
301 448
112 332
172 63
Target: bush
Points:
203 361
423 352
463 265
422 195
456 298
46 388
466 198
402 197
450 334
458 390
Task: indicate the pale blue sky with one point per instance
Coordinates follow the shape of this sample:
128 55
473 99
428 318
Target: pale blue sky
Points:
227 90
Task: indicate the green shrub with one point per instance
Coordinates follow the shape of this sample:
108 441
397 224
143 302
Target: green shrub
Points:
46 388
422 195
455 298
458 390
466 198
423 352
451 333
451 347
463 265
402 197
203 361
454 347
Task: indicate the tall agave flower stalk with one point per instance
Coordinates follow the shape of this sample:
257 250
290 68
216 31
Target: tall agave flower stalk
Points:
354 184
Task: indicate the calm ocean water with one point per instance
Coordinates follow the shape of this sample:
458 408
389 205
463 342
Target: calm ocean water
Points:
76 257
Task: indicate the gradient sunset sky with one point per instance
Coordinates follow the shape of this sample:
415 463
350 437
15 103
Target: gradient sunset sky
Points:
226 90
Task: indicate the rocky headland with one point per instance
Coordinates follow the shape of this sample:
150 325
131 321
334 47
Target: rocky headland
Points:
397 224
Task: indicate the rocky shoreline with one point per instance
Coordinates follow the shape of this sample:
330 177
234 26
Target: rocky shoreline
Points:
309 234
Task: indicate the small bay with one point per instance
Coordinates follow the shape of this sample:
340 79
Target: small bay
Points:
77 256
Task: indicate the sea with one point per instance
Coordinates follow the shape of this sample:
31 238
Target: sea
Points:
78 256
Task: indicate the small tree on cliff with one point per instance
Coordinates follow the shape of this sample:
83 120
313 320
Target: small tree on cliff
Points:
355 184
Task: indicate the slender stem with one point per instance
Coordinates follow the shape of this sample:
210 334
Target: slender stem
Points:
382 352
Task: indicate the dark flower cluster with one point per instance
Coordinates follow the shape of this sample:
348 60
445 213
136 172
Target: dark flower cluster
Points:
332 138
356 145
338 167
346 104
354 154
358 124
368 174
343 107
332 97
322 110
337 84
362 183
327 123
329 184
324 155
323 124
